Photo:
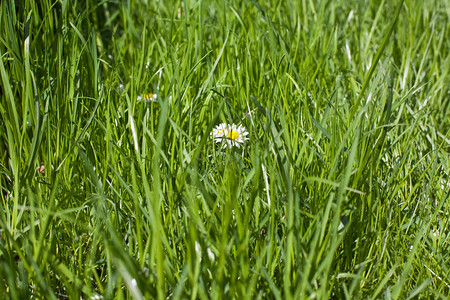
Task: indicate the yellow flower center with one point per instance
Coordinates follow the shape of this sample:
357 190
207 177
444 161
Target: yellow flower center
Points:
148 96
233 134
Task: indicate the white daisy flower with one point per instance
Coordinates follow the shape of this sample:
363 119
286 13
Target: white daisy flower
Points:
236 136
219 132
148 97
231 134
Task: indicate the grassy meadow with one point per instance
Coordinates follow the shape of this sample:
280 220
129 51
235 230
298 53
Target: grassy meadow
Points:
114 187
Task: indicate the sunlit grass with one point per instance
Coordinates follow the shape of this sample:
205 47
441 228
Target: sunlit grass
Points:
115 183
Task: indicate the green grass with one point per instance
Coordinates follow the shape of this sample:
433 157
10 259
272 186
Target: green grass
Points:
341 192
